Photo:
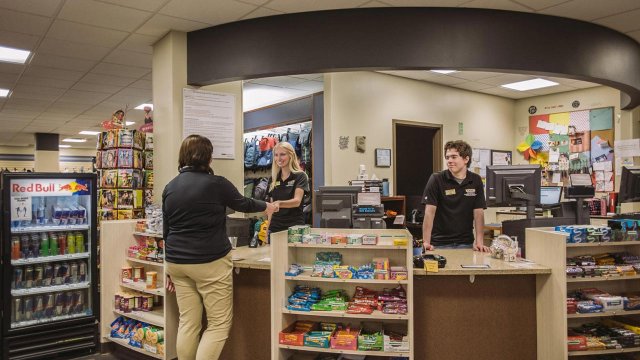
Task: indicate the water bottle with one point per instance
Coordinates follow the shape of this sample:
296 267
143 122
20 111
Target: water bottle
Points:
385 187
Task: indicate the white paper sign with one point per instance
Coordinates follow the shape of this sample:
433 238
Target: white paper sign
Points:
627 148
554 155
212 115
20 208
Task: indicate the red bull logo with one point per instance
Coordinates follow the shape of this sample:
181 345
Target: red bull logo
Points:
73 187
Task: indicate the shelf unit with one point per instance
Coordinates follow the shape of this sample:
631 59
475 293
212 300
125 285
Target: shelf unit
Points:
284 254
117 236
549 248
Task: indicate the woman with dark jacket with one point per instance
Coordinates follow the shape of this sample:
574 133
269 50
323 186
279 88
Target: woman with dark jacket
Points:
197 248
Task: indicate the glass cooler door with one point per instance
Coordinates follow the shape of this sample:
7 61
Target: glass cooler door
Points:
50 236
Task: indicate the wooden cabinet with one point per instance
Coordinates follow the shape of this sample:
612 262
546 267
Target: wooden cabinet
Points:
549 248
283 254
116 237
397 204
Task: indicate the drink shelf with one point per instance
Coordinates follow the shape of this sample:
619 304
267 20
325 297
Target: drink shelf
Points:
46 259
41 228
375 315
24 323
125 343
48 289
142 287
154 317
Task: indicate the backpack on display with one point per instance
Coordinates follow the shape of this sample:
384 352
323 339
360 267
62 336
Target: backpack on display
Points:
249 185
250 153
261 188
291 137
265 159
266 150
305 145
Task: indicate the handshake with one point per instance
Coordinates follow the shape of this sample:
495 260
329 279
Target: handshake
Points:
272 207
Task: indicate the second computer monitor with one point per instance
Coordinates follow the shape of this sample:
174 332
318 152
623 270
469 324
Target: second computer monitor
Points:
513 185
550 195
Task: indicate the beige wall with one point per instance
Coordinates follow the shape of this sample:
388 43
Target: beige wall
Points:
365 103
30 150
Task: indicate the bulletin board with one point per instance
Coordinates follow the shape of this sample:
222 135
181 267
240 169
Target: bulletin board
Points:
577 142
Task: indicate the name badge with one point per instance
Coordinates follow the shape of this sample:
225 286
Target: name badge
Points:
450 192
277 183
290 183
469 192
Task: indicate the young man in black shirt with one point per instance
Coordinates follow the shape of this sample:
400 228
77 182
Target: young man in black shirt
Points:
454 203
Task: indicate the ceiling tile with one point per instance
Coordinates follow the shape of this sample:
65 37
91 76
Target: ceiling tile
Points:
119 70
140 43
62 62
38 7
147 5
30 102
14 106
18 114
142 84
87 86
496 4
254 2
628 21
85 34
130 58
583 84
316 77
46 82
40 128
52 118
474 75
589 9
373 4
73 49
107 80
149 76
84 97
472 86
160 24
551 90
100 14
146 94
36 92
506 79
201 10
41 71
280 81
261 12
540 4
23 23
510 94
309 86
293 6
17 40
8 77
11 68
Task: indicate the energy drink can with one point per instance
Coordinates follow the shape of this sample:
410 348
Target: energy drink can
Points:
16 279
62 243
16 310
16 253
58 303
38 275
71 243
68 303
82 271
78 301
35 244
53 244
49 305
57 278
28 277
64 273
44 244
80 242
28 308
48 275
73 272
38 307
24 246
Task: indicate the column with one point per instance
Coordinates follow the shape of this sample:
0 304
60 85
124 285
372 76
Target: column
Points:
46 157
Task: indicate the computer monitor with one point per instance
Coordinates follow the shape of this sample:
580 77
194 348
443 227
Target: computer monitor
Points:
550 195
514 185
629 184
335 204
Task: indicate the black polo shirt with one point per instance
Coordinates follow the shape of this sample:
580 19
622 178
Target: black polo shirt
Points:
285 190
455 203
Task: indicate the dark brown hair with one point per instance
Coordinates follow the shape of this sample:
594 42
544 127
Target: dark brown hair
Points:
195 152
464 150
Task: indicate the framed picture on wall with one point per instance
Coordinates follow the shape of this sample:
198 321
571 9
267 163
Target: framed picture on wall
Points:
500 157
383 157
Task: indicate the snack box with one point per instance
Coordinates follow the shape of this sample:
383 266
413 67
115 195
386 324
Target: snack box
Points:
371 337
396 342
345 339
369 239
294 333
577 343
610 303
319 339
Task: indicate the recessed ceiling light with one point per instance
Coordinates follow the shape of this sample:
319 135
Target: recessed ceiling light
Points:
11 55
444 71
129 123
141 106
530 84
89 132
4 92
74 140
64 146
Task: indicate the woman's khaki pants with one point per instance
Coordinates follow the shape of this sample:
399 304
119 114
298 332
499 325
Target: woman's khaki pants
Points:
203 286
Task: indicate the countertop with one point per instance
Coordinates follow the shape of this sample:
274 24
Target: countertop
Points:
260 258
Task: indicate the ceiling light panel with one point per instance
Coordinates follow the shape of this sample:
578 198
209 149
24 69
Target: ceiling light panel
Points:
530 84
12 55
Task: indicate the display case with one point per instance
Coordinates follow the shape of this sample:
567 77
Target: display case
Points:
48 265
550 248
128 259
284 254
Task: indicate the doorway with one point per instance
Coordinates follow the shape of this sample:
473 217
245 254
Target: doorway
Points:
417 154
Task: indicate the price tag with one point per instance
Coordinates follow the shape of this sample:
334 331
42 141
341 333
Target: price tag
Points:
431 266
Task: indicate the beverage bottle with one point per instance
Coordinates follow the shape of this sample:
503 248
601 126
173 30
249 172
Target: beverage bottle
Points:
44 244
41 212
56 214
62 243
82 213
34 212
24 246
53 244
80 242
15 248
71 243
